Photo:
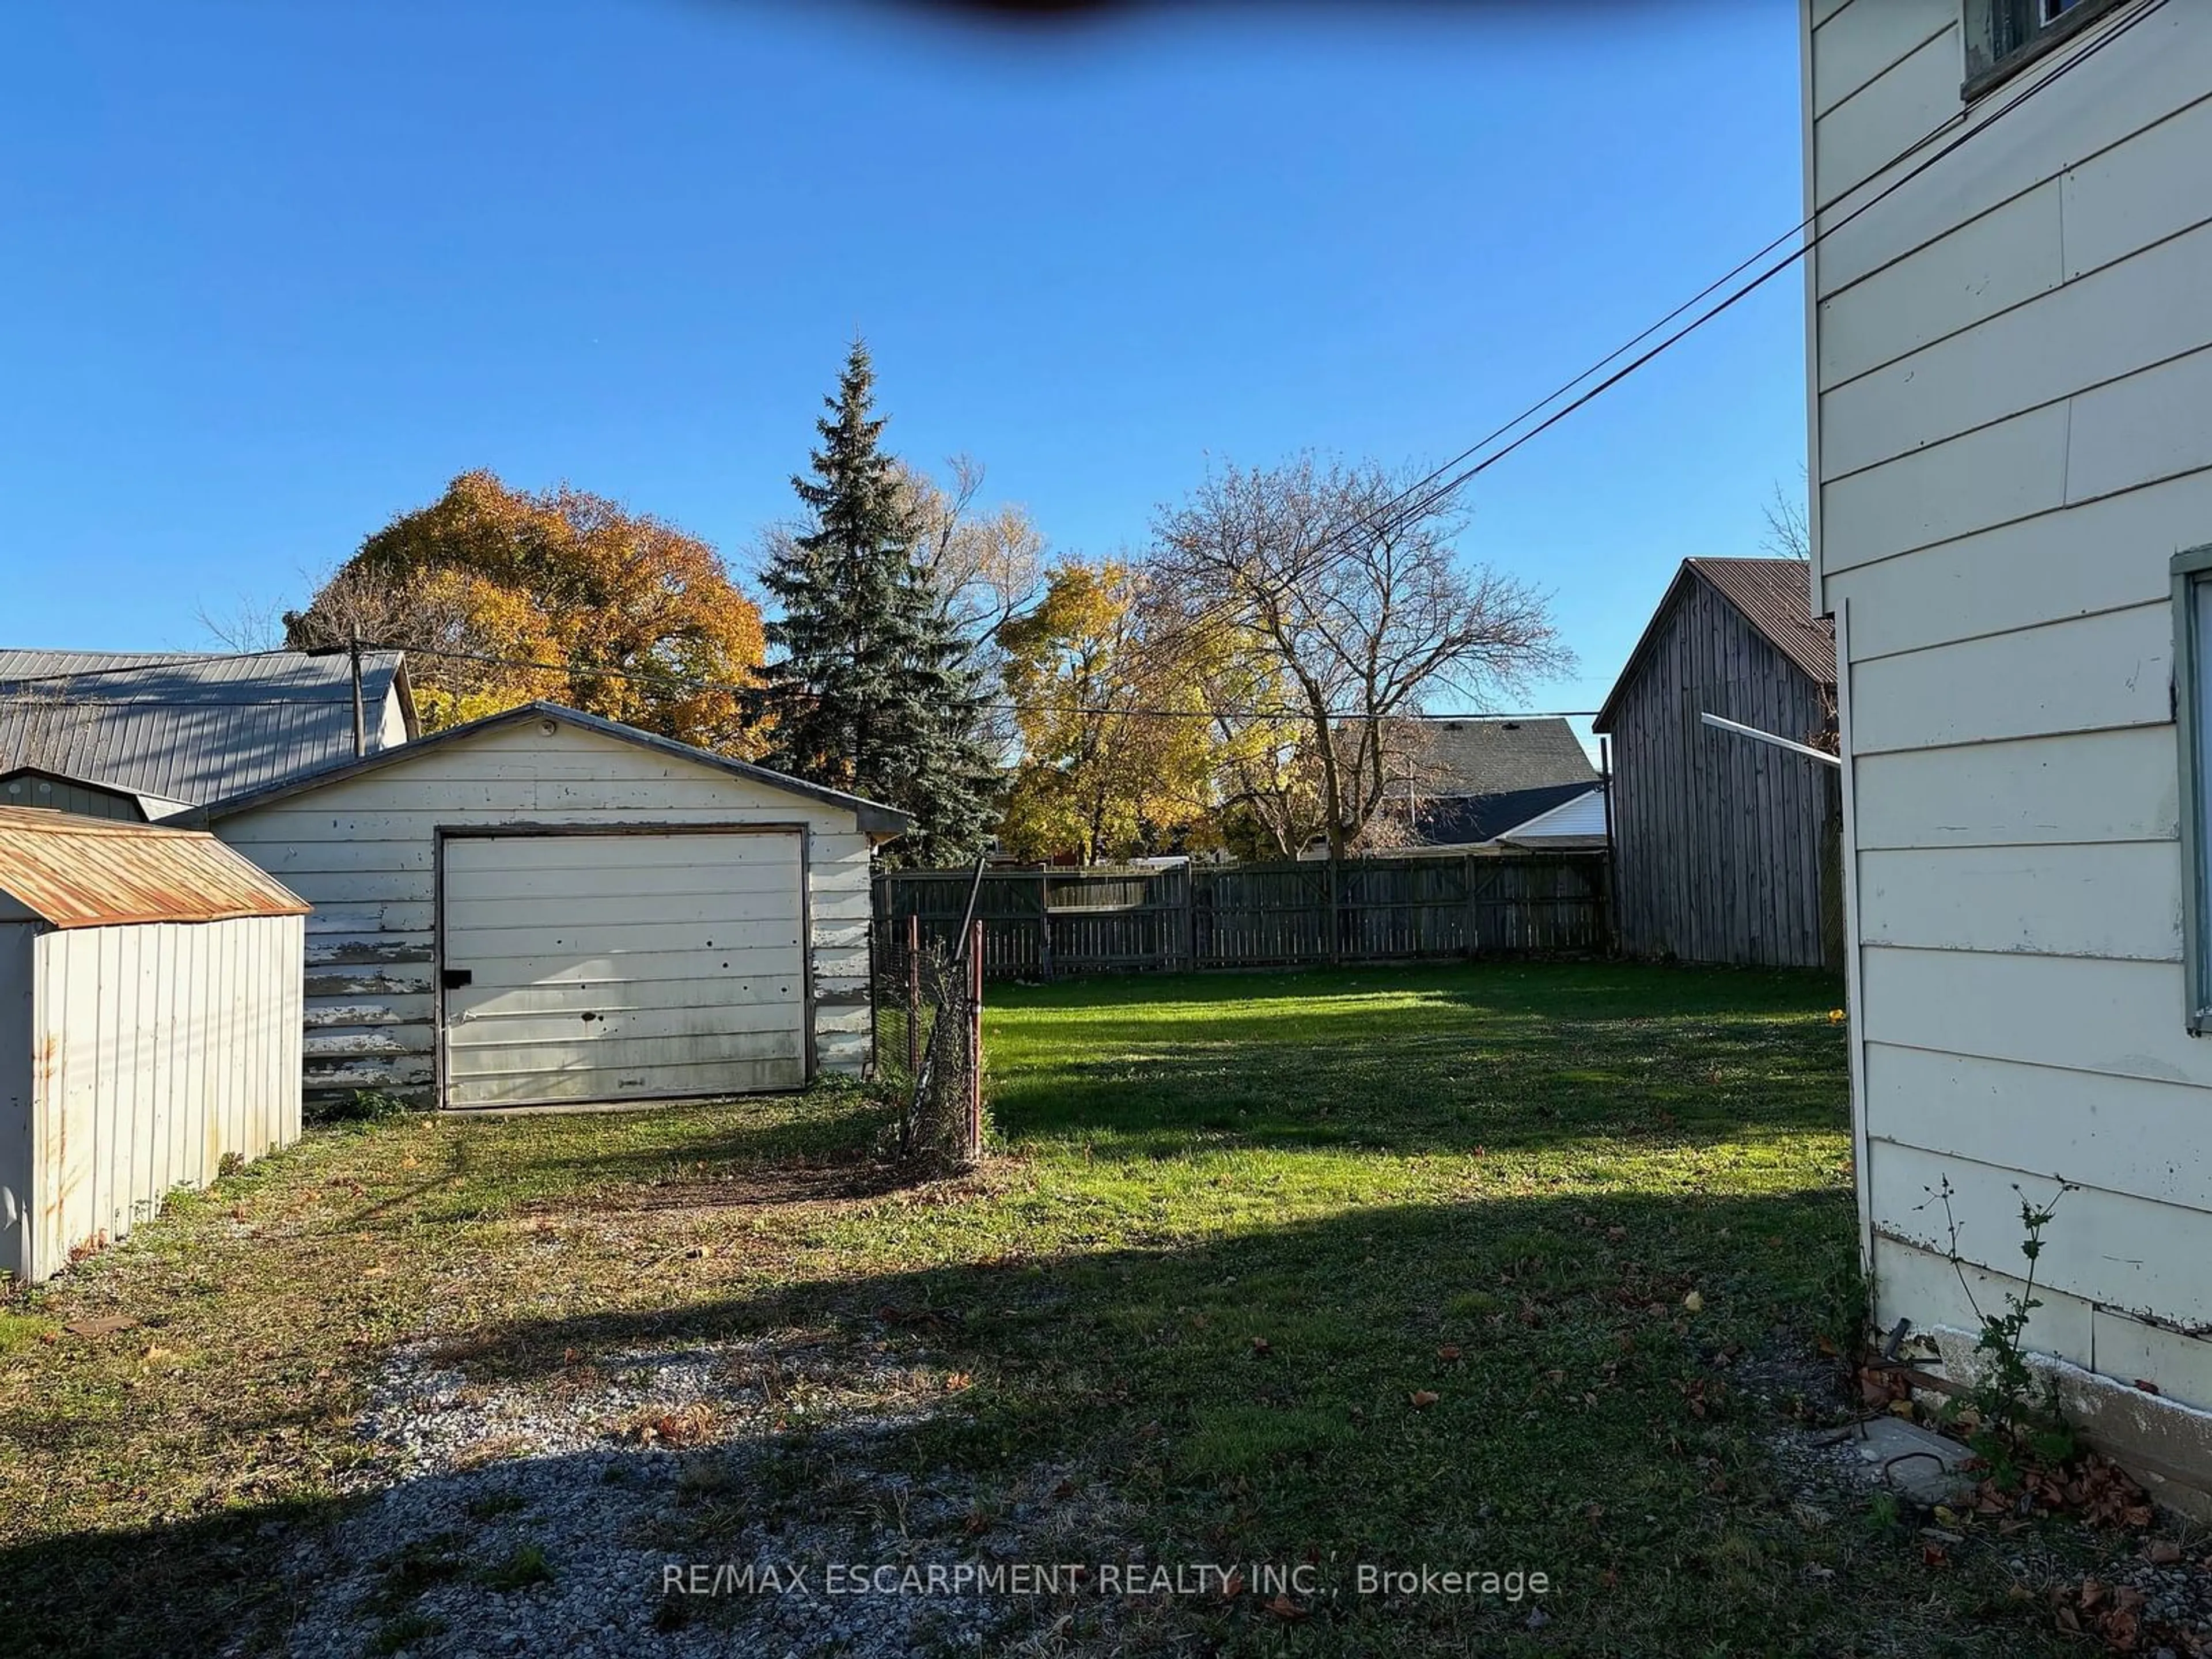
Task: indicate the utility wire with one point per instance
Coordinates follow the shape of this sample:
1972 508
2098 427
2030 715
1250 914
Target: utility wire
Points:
739 688
1440 482
1422 502
146 660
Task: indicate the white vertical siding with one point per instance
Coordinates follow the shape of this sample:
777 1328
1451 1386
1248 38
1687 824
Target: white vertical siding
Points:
157 1050
362 851
2013 365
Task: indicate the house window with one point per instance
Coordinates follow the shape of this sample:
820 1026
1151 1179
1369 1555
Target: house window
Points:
2006 35
2192 708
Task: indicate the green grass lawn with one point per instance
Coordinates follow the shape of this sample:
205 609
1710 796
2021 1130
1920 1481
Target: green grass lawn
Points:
1238 1230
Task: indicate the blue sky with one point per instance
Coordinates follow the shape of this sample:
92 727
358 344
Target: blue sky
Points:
271 274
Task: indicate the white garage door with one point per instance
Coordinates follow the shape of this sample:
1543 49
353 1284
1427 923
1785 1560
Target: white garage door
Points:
588 968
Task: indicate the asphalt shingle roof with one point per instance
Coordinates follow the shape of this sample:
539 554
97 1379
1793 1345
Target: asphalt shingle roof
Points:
1496 756
190 728
1461 819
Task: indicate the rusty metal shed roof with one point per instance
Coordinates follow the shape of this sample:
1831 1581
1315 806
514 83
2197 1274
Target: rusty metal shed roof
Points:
72 871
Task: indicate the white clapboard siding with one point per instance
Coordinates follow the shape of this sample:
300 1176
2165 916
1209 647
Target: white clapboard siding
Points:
2106 785
2130 1348
2138 193
363 849
2124 1135
2127 317
1861 136
2025 574
2090 900
2002 686
2138 430
2013 470
2005 258
2121 1019
2013 435
1885 33
1925 1283
2162 66
2116 1249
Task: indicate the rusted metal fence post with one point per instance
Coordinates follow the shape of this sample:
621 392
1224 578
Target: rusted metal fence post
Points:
976 1046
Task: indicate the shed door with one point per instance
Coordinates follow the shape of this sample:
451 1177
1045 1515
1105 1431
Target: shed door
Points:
591 967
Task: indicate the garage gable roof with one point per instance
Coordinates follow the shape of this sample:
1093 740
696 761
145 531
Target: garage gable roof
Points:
873 817
73 871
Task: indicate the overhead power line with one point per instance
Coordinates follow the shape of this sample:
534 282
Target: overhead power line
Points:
149 660
1428 492
740 688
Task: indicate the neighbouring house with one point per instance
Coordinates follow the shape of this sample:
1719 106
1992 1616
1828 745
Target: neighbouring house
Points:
149 1025
2010 352
1474 783
1727 849
172 728
548 908
1577 825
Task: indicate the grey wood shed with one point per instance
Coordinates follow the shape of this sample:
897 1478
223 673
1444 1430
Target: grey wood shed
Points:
1726 850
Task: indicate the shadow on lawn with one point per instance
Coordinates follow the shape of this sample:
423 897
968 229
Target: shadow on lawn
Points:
1252 1397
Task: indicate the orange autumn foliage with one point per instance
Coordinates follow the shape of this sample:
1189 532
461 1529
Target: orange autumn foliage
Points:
632 615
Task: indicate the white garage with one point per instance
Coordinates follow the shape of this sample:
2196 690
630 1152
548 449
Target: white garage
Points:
548 908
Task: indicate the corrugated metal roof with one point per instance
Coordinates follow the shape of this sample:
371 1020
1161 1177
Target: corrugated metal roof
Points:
189 727
74 872
1776 597
1498 757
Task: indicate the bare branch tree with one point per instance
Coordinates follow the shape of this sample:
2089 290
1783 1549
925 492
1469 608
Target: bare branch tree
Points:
251 624
1787 535
1365 608
989 565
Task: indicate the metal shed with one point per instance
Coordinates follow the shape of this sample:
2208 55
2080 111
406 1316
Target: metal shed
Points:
150 1024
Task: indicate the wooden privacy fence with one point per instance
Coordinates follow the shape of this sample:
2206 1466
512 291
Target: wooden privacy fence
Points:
1043 924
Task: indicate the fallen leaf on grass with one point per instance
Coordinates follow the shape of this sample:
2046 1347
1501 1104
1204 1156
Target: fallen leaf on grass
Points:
1286 1610
1260 1345
1694 1303
1449 1353
2162 1553
956 1381
104 1325
1423 1399
1932 1555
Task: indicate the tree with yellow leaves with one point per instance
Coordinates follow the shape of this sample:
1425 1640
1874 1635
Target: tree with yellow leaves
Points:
1118 751
629 617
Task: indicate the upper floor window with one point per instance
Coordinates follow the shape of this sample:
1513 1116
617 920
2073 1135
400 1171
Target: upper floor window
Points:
2004 35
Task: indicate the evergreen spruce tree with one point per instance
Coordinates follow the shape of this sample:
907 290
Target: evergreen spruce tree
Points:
869 694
